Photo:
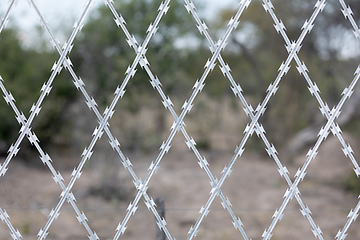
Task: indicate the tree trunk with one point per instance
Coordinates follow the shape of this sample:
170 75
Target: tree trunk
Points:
309 135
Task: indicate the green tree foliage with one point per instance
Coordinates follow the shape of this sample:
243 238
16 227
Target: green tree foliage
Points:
102 54
24 70
177 54
323 51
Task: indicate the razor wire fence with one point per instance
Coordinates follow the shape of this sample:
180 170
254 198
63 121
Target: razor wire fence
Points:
293 47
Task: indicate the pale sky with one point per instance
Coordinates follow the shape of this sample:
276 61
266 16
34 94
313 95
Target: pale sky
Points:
56 10
61 15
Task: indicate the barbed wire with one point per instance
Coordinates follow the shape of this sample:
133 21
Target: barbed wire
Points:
293 48
175 209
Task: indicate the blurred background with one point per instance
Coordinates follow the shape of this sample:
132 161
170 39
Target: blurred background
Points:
177 55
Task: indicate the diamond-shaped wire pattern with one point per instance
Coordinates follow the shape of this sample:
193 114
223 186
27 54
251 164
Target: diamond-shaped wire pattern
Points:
292 47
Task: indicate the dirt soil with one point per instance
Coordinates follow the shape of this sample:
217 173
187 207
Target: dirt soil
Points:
255 189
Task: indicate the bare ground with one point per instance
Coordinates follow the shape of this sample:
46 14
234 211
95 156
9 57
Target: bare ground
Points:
254 188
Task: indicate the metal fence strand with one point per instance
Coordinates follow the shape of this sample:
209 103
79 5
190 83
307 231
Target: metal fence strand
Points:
253 113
